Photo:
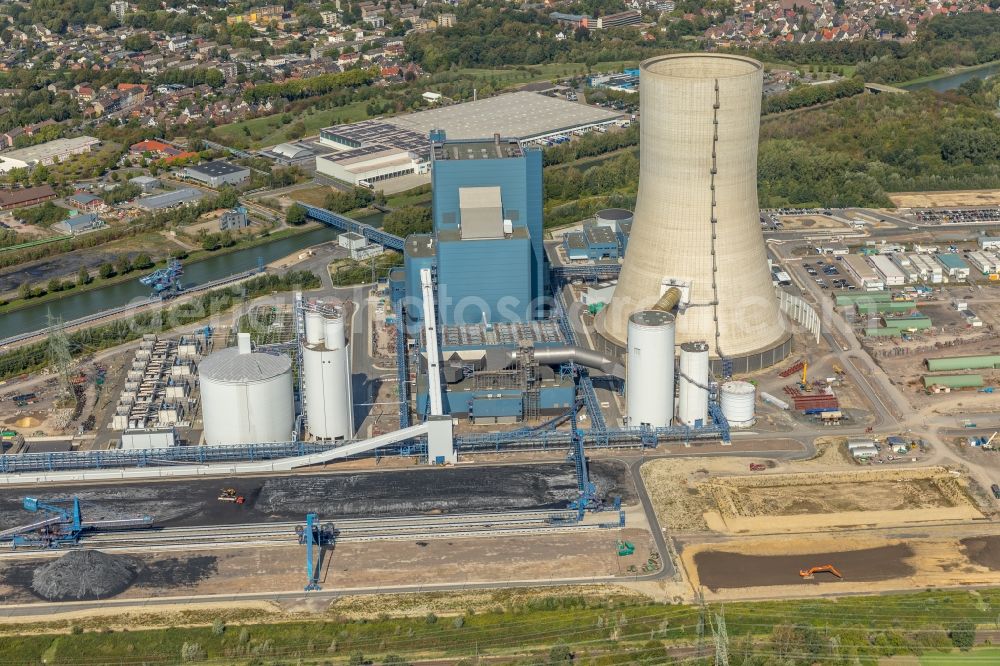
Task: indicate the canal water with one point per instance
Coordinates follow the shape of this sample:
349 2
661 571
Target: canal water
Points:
79 305
958 78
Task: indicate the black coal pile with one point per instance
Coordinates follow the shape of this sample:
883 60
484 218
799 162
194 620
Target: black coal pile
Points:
83 575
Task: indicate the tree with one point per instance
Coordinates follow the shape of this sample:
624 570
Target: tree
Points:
54 285
24 291
123 265
143 261
357 659
83 276
560 654
410 220
963 635
296 215
106 271
193 652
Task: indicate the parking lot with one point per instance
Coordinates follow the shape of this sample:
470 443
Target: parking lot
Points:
827 273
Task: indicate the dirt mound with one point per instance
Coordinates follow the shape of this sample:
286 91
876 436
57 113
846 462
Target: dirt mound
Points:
27 422
82 575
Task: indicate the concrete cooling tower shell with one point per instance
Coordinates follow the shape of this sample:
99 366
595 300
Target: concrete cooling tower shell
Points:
696 222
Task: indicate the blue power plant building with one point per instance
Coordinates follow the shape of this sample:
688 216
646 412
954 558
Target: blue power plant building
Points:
488 260
487 245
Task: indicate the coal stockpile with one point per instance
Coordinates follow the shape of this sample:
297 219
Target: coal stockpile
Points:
462 489
453 490
719 569
83 575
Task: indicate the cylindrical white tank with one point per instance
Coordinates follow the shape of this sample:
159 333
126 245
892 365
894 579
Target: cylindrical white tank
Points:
692 403
649 391
737 401
314 327
327 381
246 398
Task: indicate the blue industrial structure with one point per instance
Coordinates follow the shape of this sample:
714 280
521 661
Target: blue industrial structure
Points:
487 245
311 536
164 279
345 223
63 525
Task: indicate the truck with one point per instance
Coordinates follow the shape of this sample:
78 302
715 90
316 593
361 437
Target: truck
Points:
757 467
996 491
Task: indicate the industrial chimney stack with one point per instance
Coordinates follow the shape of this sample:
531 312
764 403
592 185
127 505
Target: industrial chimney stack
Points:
697 224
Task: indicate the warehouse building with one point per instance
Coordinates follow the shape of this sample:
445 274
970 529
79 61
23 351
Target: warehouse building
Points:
863 273
52 151
988 242
388 148
890 273
953 265
927 269
218 173
79 223
985 262
180 197
25 196
370 165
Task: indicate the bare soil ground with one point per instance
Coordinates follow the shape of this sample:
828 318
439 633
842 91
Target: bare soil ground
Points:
945 199
678 487
720 569
984 551
871 563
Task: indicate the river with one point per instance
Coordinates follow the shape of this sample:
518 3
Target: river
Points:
953 81
74 306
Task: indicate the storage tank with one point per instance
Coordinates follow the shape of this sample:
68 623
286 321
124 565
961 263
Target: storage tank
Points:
612 217
737 401
246 397
692 403
327 379
314 327
649 392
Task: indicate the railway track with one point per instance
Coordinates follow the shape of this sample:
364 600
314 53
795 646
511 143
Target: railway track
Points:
517 523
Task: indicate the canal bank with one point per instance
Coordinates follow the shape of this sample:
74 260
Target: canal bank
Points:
953 79
77 305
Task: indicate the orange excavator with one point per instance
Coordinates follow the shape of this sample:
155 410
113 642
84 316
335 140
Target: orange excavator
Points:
824 568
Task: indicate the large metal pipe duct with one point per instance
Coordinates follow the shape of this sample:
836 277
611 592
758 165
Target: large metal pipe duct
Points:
696 219
579 355
670 299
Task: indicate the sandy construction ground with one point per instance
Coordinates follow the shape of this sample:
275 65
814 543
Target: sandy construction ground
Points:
770 567
946 199
805 502
807 222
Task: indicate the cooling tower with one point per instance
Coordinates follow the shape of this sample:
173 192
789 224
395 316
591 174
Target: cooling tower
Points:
696 223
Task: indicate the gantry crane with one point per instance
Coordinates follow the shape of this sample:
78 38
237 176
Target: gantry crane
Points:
314 534
64 525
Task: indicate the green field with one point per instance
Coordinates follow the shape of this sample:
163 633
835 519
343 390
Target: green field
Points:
979 656
268 130
598 628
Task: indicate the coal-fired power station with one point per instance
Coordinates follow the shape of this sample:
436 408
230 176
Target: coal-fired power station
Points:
697 225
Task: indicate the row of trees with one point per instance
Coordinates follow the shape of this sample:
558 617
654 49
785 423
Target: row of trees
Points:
313 86
409 220
591 145
810 95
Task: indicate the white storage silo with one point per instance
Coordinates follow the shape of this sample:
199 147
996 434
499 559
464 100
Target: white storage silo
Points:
692 403
246 397
314 327
737 401
326 376
649 392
